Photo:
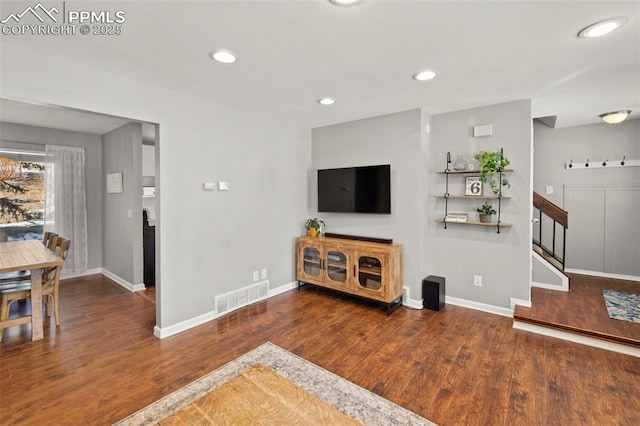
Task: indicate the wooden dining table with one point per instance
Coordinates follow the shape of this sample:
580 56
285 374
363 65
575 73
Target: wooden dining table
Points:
33 256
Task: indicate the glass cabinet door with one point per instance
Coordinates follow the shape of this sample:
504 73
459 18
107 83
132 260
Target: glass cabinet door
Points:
336 266
312 260
370 272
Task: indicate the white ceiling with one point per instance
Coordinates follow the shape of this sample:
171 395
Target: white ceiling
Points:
293 52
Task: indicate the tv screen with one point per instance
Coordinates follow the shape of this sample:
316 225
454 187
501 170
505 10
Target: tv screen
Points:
365 189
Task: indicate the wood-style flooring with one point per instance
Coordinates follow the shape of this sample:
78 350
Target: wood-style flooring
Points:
454 367
582 310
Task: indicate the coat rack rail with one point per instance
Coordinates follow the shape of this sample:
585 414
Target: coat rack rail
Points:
606 164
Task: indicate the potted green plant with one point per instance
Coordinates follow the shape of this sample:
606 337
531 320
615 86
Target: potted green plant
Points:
491 164
314 227
485 212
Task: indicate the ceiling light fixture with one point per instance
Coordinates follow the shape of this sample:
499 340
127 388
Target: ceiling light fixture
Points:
615 117
326 101
424 75
602 28
345 2
223 56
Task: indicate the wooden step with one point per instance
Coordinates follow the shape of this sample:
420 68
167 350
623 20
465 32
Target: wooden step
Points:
521 315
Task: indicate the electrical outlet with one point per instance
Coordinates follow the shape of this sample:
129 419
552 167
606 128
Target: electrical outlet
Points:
477 280
256 276
263 273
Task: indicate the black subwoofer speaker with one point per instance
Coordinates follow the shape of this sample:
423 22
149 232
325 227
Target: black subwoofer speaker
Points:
433 290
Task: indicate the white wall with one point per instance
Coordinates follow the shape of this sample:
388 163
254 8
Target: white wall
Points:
209 242
460 252
394 139
602 203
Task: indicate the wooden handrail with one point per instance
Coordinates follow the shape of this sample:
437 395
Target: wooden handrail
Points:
551 210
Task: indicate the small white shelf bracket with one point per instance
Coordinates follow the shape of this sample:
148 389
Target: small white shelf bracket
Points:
606 164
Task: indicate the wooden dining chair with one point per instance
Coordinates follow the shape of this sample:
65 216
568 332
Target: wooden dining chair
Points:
47 240
21 290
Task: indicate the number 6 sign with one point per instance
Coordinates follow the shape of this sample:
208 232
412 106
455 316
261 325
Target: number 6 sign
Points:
474 186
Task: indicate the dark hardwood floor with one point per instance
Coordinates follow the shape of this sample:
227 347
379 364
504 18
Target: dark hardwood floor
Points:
582 310
455 367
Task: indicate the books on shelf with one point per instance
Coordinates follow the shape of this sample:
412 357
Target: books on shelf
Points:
456 217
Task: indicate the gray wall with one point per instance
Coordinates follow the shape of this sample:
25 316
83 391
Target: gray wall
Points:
603 203
122 218
19 136
209 242
393 139
460 252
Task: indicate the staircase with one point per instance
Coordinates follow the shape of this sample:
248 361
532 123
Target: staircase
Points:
555 311
549 248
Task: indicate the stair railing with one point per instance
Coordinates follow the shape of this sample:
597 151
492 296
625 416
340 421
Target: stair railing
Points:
559 217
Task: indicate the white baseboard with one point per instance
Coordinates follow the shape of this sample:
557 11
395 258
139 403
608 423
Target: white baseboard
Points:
603 274
498 310
514 302
122 282
94 271
408 301
283 288
550 286
577 338
161 333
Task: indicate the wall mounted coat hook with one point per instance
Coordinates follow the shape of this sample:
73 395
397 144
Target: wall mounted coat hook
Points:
599 164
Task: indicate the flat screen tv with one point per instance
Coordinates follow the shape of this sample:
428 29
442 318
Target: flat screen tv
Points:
365 189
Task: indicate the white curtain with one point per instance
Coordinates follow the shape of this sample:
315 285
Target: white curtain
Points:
65 202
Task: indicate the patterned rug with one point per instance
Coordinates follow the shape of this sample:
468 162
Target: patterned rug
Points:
356 402
622 306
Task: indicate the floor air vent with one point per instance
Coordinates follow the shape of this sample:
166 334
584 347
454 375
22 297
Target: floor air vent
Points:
238 298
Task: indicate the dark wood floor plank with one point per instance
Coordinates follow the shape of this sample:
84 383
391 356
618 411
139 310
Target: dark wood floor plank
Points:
455 366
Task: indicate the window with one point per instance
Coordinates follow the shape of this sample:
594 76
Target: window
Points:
22 203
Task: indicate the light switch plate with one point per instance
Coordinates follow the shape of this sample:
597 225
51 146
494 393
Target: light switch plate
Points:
223 186
209 186
549 189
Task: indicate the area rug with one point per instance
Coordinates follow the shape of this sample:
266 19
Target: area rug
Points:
622 305
357 403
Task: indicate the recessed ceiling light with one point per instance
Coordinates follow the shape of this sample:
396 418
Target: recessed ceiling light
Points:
223 56
326 101
424 75
602 28
345 2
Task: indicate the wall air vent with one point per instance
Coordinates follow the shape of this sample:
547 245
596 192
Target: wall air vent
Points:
236 299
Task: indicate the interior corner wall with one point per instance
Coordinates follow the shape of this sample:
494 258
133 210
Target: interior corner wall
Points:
394 139
23 136
209 242
502 260
122 215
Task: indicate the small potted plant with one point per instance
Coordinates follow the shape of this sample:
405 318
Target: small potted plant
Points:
485 212
491 163
314 227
